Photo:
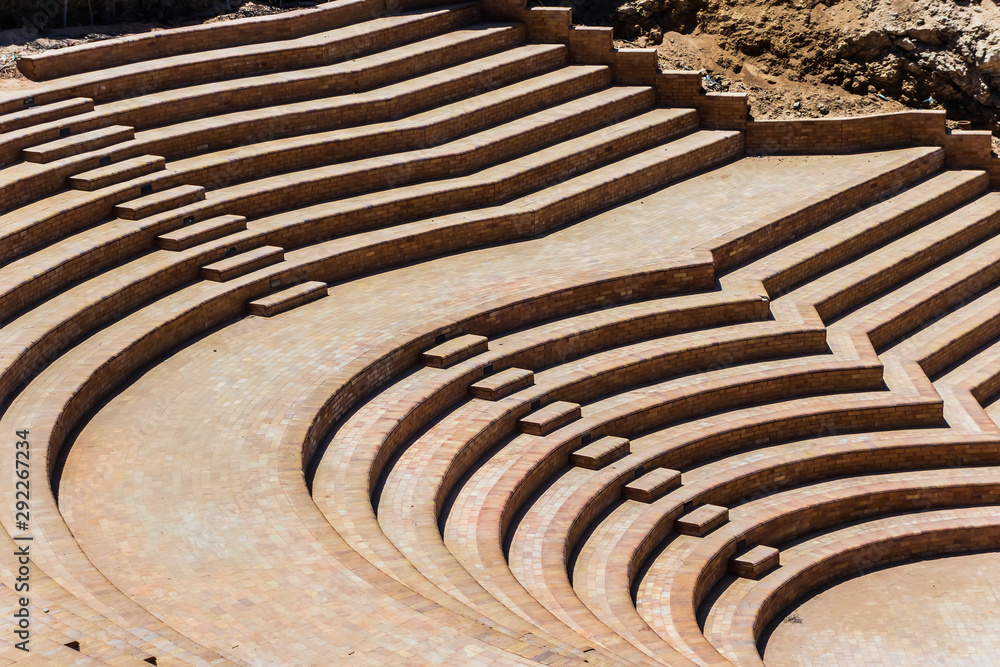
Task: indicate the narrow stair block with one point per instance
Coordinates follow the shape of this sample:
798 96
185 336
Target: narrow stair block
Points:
80 143
755 563
119 172
598 454
240 265
504 383
158 202
201 232
286 299
552 416
654 484
701 521
45 113
451 352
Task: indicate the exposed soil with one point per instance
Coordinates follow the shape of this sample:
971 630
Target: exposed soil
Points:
828 57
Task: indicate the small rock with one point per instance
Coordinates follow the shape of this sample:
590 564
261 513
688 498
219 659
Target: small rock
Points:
905 43
823 109
797 106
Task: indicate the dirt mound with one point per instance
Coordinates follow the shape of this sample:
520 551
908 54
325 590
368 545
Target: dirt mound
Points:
919 53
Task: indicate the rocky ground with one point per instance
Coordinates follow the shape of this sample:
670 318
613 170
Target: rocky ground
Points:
829 57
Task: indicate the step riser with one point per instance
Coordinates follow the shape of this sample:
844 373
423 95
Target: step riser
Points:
438 165
230 172
85 183
40 115
68 221
45 154
491 230
472 196
346 113
883 282
326 86
867 241
406 139
201 72
240 265
208 230
153 204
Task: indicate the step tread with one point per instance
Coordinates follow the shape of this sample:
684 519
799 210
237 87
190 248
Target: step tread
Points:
455 350
200 232
45 113
117 172
504 383
288 298
601 452
78 143
553 416
652 485
156 202
243 263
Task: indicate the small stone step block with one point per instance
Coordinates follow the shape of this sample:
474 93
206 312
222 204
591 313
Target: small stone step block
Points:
45 113
158 202
240 265
654 484
451 352
119 172
548 419
600 453
286 299
504 383
755 563
201 232
76 144
702 520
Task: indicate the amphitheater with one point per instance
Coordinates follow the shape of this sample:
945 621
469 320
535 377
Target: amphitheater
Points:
403 334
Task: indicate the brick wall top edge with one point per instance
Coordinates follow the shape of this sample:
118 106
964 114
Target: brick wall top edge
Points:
133 48
854 119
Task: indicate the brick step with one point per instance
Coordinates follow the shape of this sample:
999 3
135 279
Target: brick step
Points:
938 299
548 419
201 232
504 383
282 154
422 93
287 299
882 270
56 63
472 116
80 143
242 264
755 563
653 485
157 202
701 521
36 115
270 90
338 44
862 232
553 165
598 454
736 630
111 174
453 351
465 156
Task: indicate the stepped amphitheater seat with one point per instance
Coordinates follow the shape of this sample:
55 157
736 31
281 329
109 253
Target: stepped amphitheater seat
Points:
740 615
788 515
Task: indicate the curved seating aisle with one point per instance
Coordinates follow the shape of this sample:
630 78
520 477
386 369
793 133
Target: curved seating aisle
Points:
537 370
